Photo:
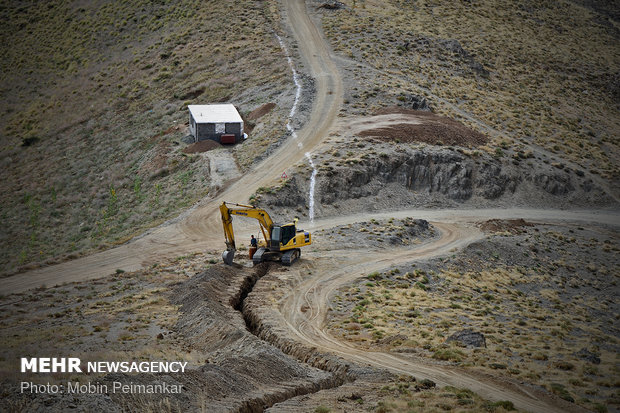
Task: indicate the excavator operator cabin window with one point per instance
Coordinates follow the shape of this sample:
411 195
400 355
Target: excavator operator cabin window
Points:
275 234
288 232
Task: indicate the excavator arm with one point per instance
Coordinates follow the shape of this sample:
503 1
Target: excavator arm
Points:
249 211
229 233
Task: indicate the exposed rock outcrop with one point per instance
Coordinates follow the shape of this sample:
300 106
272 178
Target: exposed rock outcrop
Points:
433 177
468 338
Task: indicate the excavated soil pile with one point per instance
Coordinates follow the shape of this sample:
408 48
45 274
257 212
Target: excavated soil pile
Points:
229 369
242 373
514 226
202 146
375 234
261 111
432 129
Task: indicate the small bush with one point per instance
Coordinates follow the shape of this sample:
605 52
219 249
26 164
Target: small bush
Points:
600 408
504 404
420 286
29 141
374 276
559 389
564 365
449 355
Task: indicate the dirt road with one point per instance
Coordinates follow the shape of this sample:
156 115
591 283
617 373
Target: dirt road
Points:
306 307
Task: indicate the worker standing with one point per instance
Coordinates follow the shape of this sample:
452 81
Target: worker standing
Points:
253 246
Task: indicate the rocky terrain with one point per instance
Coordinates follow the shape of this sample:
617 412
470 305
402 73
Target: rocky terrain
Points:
203 320
236 361
543 308
204 328
357 174
93 129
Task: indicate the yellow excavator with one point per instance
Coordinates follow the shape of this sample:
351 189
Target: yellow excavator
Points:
281 242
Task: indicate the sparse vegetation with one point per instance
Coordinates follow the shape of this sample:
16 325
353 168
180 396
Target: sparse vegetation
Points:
120 317
544 316
104 117
406 396
94 113
512 79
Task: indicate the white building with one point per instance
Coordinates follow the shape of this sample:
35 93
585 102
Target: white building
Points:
221 123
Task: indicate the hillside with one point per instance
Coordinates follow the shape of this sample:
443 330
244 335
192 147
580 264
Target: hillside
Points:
453 163
96 96
527 73
94 114
528 94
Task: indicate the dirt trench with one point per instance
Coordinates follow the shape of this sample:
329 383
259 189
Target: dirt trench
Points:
259 321
271 333
244 372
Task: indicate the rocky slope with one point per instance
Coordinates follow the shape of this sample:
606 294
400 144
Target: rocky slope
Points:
383 177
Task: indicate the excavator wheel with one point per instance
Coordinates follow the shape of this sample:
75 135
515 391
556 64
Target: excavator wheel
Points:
227 256
291 256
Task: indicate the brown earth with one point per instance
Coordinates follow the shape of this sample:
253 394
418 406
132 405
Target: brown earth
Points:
202 146
157 312
289 309
431 128
260 111
514 226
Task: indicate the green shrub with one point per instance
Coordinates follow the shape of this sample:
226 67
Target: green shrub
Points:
504 404
449 355
600 408
561 391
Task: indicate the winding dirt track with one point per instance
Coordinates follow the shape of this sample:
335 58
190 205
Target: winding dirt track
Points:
200 229
305 312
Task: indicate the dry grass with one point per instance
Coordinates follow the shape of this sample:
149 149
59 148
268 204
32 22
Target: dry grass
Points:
396 394
536 319
109 319
542 73
402 398
94 112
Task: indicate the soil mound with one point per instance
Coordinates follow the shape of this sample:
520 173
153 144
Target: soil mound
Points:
242 373
433 129
202 146
514 226
261 111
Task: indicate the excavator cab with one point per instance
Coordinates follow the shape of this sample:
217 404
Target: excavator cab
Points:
281 235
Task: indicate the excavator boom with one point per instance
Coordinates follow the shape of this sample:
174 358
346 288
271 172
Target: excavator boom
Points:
229 234
249 211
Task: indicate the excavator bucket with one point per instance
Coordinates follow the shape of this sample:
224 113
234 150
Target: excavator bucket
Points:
227 256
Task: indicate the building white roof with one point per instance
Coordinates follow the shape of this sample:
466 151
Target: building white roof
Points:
226 113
